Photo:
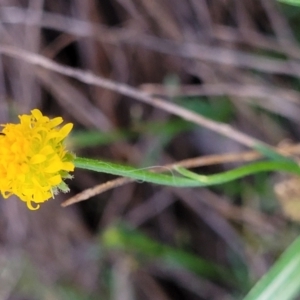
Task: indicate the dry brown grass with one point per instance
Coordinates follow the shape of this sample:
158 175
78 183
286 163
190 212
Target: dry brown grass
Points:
121 52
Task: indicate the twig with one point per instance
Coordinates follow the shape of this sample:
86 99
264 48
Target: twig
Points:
90 78
250 93
220 89
281 28
187 50
96 190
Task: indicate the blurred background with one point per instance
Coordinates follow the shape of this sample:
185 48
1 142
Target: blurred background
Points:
235 62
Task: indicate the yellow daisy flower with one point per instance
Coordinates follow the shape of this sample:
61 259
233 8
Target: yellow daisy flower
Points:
33 158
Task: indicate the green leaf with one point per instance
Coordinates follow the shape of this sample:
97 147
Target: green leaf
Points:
282 282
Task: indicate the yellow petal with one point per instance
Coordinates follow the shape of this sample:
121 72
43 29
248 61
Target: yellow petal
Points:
65 130
55 180
53 167
29 205
37 114
37 159
55 122
68 166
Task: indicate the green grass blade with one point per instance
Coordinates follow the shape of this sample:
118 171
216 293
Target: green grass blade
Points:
268 152
282 282
91 138
191 179
290 2
134 173
130 240
240 172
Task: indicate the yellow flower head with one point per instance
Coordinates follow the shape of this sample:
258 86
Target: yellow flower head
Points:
33 158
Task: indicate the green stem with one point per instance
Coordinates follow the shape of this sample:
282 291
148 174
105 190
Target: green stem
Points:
190 179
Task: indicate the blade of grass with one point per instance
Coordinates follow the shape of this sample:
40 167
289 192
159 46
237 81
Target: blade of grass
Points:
282 282
290 2
92 138
82 139
191 179
272 154
130 240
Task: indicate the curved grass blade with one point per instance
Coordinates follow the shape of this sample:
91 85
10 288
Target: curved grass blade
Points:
134 173
191 179
282 282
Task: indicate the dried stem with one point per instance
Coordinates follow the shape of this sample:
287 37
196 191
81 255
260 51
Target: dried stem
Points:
90 78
